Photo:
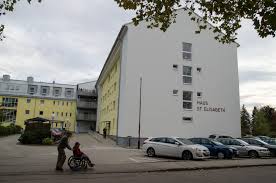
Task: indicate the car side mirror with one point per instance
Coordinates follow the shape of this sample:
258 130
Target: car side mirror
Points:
177 143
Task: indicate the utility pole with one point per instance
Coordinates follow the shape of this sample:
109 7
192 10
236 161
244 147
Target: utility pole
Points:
139 126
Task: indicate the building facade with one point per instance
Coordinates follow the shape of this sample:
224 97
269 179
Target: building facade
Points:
86 107
173 83
21 100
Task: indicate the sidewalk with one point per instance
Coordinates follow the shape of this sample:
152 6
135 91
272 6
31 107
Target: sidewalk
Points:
149 167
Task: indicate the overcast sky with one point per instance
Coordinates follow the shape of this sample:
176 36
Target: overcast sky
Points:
68 41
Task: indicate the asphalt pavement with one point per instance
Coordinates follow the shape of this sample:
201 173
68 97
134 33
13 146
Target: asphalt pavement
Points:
37 163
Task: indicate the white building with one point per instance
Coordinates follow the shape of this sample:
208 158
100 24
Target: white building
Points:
190 84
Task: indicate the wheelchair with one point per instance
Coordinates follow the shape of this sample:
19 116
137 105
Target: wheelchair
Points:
77 163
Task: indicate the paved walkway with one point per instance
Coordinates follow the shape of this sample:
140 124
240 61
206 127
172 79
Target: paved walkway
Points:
18 159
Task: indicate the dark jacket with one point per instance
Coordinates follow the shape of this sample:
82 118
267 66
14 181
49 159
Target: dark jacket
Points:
64 143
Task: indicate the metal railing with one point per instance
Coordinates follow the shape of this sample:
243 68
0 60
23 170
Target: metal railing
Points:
86 117
85 92
87 105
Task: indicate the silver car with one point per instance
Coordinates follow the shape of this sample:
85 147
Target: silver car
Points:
175 147
244 148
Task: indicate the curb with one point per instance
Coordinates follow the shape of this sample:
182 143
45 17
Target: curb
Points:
135 171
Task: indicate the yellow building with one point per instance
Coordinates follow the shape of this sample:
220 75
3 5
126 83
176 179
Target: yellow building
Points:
21 100
108 111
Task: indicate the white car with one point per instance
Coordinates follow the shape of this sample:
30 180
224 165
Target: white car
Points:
175 147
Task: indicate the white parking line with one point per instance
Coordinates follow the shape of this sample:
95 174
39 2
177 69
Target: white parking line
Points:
132 159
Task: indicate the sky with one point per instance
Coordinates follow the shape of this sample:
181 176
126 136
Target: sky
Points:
68 41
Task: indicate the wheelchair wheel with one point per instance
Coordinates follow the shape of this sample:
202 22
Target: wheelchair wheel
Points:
74 164
83 164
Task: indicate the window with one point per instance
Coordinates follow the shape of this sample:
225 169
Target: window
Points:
199 94
187 75
198 69
113 105
187 100
61 113
9 102
17 88
70 114
28 100
69 92
175 67
163 140
45 90
57 91
41 101
57 113
32 89
115 86
67 103
27 112
187 119
54 102
58 103
170 141
40 112
175 92
66 114
187 51
62 103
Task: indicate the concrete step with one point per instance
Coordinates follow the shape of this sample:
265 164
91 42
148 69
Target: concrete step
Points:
100 139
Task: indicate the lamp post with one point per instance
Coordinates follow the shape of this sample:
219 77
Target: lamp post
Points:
140 103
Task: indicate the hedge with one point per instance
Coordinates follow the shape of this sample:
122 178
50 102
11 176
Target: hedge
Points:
10 130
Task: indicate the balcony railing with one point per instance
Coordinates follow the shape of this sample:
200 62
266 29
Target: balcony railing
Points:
86 117
84 92
87 105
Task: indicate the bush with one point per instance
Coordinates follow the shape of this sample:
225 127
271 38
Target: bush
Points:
10 130
35 133
47 141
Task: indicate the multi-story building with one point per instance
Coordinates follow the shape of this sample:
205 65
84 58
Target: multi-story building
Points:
21 100
173 83
86 107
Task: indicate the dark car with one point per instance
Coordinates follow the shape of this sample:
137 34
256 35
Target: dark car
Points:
261 143
216 148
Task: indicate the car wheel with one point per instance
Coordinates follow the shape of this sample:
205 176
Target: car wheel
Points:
150 152
187 155
253 154
221 155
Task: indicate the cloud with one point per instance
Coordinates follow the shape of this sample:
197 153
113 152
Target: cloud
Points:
68 41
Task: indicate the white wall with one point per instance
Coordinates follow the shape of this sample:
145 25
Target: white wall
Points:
151 55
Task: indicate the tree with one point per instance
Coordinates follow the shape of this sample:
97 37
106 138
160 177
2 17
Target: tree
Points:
245 122
261 125
268 111
253 117
226 15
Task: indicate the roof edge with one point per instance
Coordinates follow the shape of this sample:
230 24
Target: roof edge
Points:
118 40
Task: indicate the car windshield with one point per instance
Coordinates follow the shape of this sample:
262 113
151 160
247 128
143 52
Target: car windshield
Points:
217 143
263 142
242 142
185 141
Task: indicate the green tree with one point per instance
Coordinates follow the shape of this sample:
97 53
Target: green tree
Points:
261 125
245 122
268 111
226 15
253 117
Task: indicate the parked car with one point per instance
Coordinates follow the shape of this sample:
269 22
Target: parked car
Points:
244 148
261 143
216 148
215 136
264 138
174 147
271 141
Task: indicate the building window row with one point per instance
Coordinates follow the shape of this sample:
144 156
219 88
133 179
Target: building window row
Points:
109 108
45 90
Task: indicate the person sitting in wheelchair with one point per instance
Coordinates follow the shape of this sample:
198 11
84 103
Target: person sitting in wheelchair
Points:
78 154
